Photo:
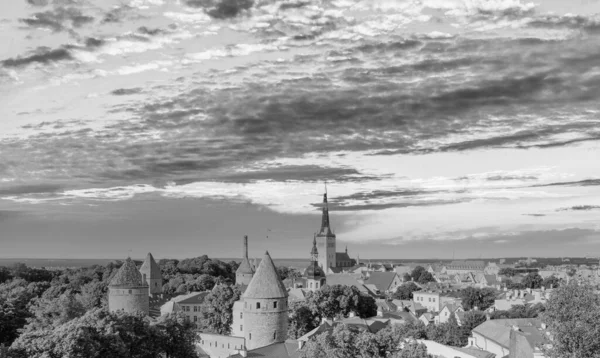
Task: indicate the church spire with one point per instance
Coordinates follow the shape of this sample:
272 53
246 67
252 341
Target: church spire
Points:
314 254
325 228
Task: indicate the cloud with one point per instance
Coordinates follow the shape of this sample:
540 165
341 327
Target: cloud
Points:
29 189
41 55
580 208
586 182
58 19
126 91
39 3
9 214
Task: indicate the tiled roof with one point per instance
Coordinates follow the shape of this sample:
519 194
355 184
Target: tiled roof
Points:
477 353
498 330
128 276
265 283
150 268
194 297
381 280
287 349
342 256
346 280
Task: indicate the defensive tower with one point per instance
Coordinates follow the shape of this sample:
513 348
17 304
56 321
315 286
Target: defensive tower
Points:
245 271
265 307
128 290
153 275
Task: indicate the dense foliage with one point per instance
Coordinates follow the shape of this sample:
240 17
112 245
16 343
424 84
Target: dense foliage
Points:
405 291
520 311
195 274
421 275
573 318
482 298
345 341
335 301
217 317
99 333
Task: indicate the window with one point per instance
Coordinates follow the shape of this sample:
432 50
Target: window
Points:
249 336
241 328
275 304
195 308
275 335
257 305
195 318
241 315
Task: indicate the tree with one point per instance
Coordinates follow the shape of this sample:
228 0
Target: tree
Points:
218 313
406 277
15 296
405 291
573 319
416 272
425 277
507 271
482 298
339 301
301 320
176 336
49 313
411 329
532 280
448 333
471 320
413 349
551 282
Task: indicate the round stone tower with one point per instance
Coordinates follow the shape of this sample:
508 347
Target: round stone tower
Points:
153 275
265 307
245 271
128 290
315 277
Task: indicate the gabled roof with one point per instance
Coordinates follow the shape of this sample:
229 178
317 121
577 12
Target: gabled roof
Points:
287 349
498 330
474 352
150 268
342 256
265 283
128 276
191 298
381 280
346 280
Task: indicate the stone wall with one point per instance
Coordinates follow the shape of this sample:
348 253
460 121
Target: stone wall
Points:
243 278
219 346
155 285
265 325
128 299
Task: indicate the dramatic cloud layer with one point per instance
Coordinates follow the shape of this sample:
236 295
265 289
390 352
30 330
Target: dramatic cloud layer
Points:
429 120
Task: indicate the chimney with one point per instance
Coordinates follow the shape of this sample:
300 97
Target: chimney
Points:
243 352
300 344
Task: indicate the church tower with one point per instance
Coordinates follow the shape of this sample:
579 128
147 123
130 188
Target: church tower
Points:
153 275
315 277
265 307
326 240
128 290
245 271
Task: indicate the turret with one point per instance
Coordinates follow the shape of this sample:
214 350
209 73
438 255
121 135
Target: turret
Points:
128 290
245 271
315 277
265 307
153 275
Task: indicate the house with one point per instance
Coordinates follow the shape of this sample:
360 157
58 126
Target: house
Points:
413 307
493 268
511 298
401 270
464 267
385 282
428 318
449 310
190 305
430 300
495 335
486 280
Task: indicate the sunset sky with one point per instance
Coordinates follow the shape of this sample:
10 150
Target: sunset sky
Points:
465 127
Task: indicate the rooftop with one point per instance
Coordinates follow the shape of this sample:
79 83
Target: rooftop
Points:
150 268
128 276
265 283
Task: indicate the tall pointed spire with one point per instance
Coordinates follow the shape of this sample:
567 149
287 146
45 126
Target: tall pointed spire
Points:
245 253
314 253
325 228
245 270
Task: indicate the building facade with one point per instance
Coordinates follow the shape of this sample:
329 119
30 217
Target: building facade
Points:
128 290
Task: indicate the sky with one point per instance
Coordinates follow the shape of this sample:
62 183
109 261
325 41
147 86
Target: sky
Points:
443 128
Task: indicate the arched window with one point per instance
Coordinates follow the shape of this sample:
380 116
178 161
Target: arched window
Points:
275 304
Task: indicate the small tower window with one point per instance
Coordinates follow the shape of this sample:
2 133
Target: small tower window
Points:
275 335
241 328
257 305
129 291
275 304
241 314
249 336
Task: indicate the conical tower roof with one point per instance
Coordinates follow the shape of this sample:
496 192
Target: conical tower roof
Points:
127 276
266 282
245 266
150 268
